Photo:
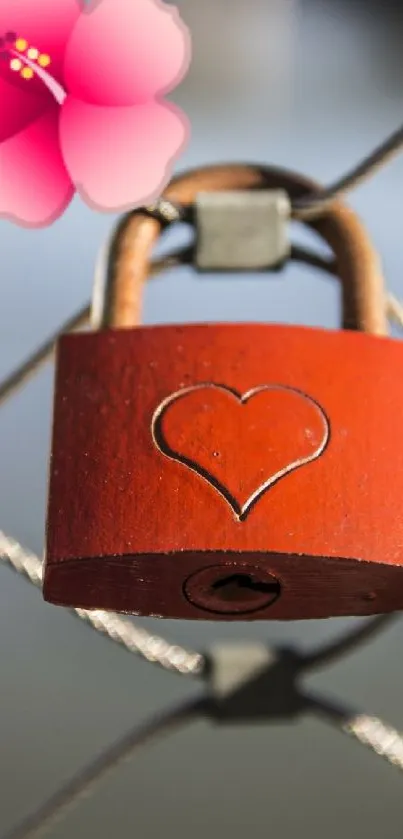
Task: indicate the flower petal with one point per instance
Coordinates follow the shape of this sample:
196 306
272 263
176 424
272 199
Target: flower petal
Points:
119 158
18 108
44 24
123 52
35 188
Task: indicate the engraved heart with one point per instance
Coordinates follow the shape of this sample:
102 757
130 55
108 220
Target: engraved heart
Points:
242 444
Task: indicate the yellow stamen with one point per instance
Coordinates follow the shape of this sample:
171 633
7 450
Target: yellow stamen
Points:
44 60
21 44
33 53
29 68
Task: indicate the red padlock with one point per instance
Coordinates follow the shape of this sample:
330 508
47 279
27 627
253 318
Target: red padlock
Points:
229 471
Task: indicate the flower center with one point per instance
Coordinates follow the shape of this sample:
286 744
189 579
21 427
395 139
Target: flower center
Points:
29 62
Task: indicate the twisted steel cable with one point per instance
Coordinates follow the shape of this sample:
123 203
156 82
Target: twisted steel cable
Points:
313 205
133 638
385 741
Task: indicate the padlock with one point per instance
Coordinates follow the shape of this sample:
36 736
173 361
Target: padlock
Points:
229 471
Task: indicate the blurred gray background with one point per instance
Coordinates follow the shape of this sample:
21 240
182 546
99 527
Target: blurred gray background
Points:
309 85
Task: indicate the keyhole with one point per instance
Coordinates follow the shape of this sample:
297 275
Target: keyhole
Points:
242 589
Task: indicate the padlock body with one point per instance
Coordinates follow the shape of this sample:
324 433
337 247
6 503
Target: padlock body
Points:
227 472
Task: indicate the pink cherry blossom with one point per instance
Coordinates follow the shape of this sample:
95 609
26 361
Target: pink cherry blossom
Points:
82 107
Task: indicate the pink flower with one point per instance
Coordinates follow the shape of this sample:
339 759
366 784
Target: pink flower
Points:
81 107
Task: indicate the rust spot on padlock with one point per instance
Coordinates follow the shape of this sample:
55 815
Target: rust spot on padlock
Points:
156 512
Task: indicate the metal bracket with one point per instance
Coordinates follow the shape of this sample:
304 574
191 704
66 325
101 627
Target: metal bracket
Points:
253 683
240 231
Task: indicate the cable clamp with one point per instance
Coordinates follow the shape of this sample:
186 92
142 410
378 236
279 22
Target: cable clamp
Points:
242 231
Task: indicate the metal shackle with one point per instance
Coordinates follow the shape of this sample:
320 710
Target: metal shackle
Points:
356 261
